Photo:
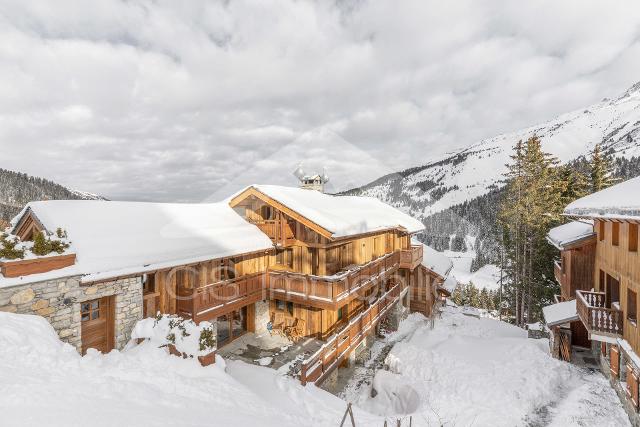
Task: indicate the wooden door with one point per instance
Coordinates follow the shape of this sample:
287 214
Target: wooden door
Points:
613 290
96 318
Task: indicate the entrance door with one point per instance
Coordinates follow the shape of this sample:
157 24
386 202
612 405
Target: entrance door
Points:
231 326
613 291
96 318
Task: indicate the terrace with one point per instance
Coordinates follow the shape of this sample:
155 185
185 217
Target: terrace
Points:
603 323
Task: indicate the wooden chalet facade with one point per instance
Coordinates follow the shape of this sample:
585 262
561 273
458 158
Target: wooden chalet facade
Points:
336 270
604 272
573 271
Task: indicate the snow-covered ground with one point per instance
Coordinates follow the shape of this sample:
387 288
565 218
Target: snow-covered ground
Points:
482 372
487 276
466 371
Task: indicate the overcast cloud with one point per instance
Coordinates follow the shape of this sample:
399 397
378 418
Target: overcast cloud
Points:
172 100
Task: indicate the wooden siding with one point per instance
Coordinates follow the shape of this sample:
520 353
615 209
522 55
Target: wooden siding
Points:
575 270
621 264
25 267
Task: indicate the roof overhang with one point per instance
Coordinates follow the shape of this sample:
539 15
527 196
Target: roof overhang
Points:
252 191
575 243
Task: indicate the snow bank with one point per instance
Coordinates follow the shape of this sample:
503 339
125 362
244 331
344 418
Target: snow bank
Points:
612 202
341 215
483 372
569 233
188 338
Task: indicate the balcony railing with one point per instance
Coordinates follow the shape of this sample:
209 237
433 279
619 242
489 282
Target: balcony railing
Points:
331 292
597 318
280 232
207 302
557 271
412 257
316 367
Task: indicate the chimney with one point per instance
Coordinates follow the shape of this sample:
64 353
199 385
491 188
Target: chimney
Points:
311 182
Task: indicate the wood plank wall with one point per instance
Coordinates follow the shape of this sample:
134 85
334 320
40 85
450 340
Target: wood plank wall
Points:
623 265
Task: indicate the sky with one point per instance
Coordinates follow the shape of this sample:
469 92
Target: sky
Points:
188 101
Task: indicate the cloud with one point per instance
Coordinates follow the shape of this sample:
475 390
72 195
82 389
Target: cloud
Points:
165 100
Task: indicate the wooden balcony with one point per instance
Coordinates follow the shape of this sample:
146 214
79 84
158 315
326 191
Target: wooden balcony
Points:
332 292
318 366
557 271
411 258
280 232
208 302
599 320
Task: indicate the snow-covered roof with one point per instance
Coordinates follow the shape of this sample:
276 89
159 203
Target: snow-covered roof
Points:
450 283
436 261
617 201
562 312
570 233
112 239
341 215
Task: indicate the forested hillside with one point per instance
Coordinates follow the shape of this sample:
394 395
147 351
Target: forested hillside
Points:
17 189
458 195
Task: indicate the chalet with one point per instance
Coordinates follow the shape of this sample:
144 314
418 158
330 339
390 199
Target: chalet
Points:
328 267
427 282
607 304
573 271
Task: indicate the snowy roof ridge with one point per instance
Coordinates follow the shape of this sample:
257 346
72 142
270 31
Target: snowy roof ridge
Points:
436 261
112 239
615 202
340 215
570 233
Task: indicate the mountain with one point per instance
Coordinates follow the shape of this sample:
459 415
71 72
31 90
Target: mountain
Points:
17 189
456 196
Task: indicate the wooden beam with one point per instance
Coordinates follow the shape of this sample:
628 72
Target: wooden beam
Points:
252 191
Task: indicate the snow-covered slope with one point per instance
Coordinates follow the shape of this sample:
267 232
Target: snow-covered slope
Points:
475 170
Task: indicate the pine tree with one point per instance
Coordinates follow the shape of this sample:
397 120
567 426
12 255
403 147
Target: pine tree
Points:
575 184
533 203
600 170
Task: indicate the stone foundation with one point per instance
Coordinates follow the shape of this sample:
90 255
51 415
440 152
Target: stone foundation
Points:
59 301
262 317
397 313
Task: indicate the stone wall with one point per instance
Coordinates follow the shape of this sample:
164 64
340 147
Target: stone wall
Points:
59 301
262 317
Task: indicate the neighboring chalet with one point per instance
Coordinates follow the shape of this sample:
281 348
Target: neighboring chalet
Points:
573 271
607 303
329 266
428 281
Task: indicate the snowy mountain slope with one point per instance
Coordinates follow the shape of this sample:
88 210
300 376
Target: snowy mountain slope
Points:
479 168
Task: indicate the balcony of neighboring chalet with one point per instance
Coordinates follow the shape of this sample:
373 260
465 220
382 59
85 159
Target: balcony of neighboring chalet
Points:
332 292
603 321
412 257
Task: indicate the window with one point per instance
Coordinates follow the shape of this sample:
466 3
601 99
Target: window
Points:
342 311
90 310
601 283
633 237
632 306
279 305
290 307
615 233
149 283
601 232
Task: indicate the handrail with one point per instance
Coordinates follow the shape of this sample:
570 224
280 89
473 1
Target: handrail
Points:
336 286
595 316
327 357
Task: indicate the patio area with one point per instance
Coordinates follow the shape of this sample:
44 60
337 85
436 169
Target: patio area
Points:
266 350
